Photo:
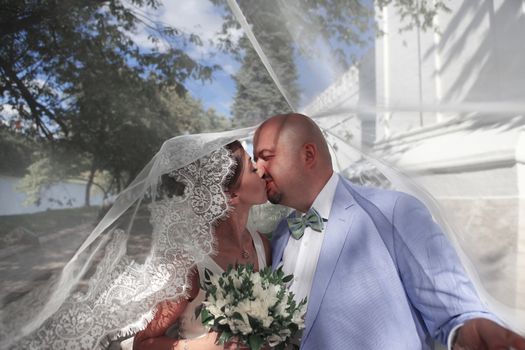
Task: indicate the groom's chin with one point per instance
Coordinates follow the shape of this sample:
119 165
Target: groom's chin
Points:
275 198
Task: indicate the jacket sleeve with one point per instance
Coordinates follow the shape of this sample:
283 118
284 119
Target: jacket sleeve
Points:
434 278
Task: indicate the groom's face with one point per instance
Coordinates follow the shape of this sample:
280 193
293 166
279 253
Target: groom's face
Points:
278 159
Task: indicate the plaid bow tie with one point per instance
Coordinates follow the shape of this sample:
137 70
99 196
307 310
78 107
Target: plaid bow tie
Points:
311 218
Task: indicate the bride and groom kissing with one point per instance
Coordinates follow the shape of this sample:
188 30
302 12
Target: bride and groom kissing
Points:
377 271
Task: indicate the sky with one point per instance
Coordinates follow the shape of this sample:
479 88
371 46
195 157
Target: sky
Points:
205 19
315 72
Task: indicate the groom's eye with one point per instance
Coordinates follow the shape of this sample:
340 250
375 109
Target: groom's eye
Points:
265 157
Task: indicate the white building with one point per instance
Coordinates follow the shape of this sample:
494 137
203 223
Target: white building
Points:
450 111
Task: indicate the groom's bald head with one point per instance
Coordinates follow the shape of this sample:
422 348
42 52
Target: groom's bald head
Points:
295 130
293 152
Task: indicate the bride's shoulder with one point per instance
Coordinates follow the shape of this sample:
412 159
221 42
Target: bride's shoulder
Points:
267 247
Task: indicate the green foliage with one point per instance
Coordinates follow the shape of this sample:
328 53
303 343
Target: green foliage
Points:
53 53
15 152
73 74
50 165
41 174
416 13
257 96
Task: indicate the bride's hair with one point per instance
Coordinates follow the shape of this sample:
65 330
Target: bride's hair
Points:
171 187
237 153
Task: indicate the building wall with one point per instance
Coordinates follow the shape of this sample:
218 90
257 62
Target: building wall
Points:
474 63
454 120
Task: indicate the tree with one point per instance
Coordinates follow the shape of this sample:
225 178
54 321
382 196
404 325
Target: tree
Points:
339 23
46 45
111 142
74 76
15 152
257 97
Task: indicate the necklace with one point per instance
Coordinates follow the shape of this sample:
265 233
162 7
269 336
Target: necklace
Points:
244 251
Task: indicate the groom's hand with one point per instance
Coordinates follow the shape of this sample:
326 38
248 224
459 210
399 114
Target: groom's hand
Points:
484 334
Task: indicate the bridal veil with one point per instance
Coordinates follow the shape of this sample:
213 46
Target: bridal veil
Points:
438 114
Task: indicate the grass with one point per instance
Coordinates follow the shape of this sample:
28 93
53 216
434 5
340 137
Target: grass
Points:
49 221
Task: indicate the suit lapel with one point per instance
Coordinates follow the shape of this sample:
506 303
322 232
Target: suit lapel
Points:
282 236
336 231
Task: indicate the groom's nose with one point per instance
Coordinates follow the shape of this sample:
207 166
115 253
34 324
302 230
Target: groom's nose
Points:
260 170
259 163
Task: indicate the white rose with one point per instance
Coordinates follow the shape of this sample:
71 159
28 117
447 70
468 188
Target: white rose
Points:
258 291
298 318
236 281
280 309
256 279
215 311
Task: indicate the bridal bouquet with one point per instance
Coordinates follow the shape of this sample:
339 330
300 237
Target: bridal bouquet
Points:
253 307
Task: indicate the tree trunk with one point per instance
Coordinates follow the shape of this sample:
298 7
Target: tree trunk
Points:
89 184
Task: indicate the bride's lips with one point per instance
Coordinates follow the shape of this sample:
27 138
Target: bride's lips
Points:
269 186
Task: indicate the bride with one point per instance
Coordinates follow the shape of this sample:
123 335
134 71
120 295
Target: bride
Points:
138 272
235 244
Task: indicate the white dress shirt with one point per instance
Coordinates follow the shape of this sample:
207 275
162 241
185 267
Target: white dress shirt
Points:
301 255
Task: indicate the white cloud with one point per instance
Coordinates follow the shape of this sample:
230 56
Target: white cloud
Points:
200 17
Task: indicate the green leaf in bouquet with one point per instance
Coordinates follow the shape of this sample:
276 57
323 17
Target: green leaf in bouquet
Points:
229 269
206 316
219 319
287 279
207 274
224 337
237 316
255 342
212 290
254 323
279 272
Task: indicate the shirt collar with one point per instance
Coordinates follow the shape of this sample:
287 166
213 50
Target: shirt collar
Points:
323 201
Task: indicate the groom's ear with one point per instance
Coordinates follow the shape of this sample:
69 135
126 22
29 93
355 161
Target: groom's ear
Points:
310 154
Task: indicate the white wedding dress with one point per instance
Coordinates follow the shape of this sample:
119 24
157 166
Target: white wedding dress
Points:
190 326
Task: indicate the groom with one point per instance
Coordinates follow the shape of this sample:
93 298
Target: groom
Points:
379 273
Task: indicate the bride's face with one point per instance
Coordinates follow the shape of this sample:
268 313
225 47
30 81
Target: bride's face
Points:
252 188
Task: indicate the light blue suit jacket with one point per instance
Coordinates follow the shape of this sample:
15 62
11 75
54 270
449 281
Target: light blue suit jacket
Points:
387 277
